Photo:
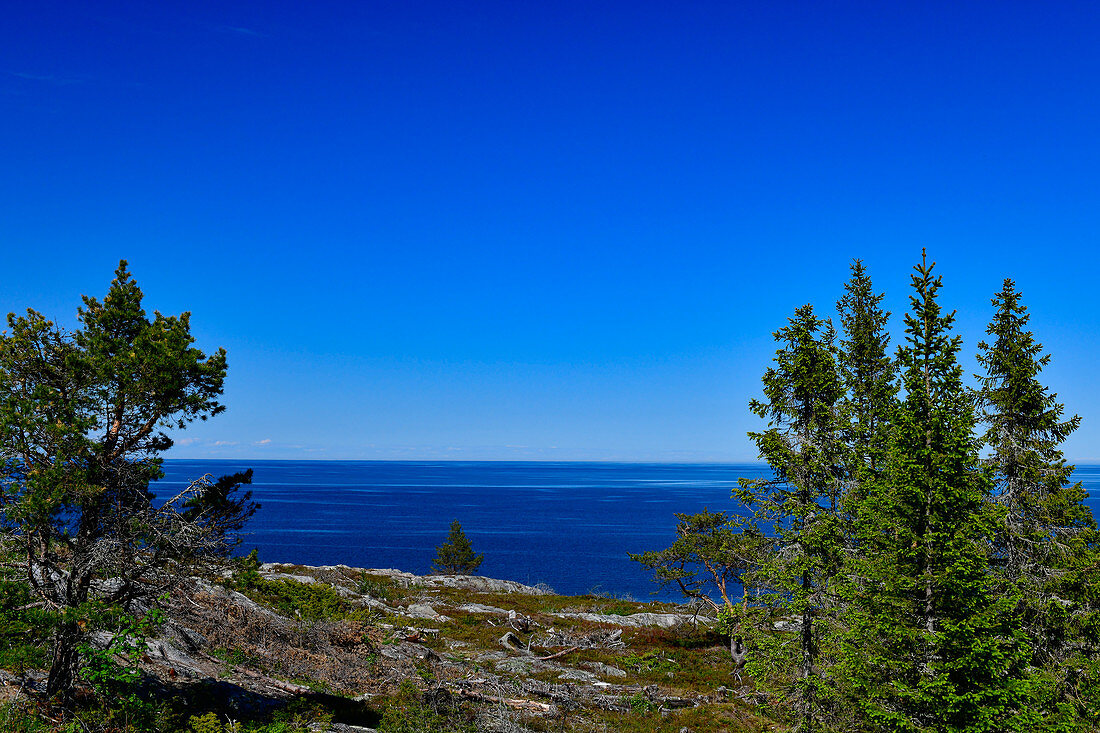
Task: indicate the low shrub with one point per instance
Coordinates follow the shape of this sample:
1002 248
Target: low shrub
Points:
307 601
377 587
25 629
411 711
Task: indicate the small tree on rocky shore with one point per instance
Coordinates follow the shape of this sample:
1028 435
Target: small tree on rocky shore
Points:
713 551
456 555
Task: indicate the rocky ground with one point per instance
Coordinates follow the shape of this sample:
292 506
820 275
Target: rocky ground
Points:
509 656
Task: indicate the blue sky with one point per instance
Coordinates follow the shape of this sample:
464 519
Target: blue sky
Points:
543 230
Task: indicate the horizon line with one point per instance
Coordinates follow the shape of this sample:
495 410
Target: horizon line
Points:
1073 462
472 460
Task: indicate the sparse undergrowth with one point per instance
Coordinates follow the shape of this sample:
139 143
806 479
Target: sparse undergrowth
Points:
335 641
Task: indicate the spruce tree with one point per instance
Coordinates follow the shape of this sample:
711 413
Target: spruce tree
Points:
803 447
456 555
868 370
1024 429
929 648
870 381
1045 548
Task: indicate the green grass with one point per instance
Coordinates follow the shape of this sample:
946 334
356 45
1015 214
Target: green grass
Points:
234 656
410 711
717 718
24 630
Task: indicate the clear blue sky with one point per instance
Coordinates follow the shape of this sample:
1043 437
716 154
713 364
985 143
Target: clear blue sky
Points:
543 230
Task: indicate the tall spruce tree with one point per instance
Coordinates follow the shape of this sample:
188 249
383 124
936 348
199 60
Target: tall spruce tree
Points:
929 648
1024 429
1045 548
803 447
868 370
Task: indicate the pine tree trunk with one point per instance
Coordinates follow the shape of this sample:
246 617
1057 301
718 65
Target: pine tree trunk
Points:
66 660
737 651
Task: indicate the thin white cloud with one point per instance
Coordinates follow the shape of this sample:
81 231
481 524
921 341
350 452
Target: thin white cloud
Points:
265 441
240 31
48 78
220 443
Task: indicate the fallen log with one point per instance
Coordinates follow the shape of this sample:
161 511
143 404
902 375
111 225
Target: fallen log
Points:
515 703
558 654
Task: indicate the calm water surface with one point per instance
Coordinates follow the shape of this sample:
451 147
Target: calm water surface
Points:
569 525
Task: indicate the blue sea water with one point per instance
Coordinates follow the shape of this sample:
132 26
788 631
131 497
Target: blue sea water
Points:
569 525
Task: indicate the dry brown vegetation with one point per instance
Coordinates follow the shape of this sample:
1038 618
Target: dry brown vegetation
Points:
440 653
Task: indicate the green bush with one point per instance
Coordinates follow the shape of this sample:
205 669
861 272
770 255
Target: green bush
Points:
310 602
24 629
409 712
246 571
640 704
652 663
112 670
208 723
235 656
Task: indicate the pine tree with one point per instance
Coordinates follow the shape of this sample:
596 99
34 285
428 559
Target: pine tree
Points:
456 555
803 446
929 648
84 417
713 551
1045 548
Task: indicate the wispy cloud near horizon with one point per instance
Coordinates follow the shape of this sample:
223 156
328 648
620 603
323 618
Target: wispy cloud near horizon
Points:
46 78
241 31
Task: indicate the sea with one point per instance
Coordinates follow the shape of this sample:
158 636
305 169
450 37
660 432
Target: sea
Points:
566 525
